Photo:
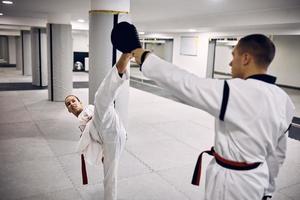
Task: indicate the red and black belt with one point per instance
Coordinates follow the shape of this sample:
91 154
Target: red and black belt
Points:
223 162
83 171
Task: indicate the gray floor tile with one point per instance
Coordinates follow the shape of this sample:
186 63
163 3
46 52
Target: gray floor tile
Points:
280 196
289 174
39 115
18 130
28 178
148 187
292 191
181 178
163 154
139 133
60 129
67 194
293 149
131 166
10 103
24 149
43 105
195 135
15 115
92 192
62 147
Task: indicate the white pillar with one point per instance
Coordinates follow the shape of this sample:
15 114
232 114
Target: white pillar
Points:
4 49
12 50
19 53
60 57
39 56
26 53
102 17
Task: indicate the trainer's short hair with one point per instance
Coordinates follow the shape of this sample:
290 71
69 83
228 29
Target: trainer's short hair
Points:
259 46
71 95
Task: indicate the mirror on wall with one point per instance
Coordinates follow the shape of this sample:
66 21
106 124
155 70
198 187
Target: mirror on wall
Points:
219 57
161 47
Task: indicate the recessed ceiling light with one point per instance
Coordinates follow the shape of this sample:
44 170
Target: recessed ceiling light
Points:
1 14
192 30
81 20
7 2
141 32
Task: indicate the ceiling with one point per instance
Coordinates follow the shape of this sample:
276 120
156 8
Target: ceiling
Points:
166 15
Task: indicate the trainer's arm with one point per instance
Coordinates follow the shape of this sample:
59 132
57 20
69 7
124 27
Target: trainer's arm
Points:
202 93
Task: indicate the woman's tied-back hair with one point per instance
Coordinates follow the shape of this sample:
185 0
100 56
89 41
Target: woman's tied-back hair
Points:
259 46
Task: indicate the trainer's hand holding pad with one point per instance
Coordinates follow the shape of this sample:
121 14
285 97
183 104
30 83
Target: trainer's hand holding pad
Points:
124 37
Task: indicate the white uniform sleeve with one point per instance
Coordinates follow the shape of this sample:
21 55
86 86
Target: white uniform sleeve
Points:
276 159
205 94
274 162
107 92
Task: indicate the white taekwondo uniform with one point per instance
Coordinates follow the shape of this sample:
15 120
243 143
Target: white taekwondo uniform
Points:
104 134
252 117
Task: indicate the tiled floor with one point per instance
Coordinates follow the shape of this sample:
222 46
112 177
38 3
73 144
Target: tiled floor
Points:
38 140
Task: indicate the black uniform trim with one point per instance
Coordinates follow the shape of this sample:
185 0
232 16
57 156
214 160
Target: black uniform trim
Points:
22 44
264 77
224 100
51 61
114 53
288 128
40 57
267 197
143 57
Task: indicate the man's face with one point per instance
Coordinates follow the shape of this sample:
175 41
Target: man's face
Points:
73 105
236 64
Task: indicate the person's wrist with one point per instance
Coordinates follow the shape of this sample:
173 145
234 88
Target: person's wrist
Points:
137 53
120 68
123 62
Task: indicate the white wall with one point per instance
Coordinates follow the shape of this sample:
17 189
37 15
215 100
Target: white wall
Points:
286 64
12 59
194 64
81 41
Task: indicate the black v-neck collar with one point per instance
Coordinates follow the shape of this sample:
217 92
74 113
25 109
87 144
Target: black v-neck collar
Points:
264 77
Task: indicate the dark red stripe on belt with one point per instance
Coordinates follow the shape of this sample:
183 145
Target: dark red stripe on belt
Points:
223 162
83 171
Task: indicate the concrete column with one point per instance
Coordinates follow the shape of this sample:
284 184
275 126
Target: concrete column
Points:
60 57
4 49
19 53
39 56
26 53
12 50
102 57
